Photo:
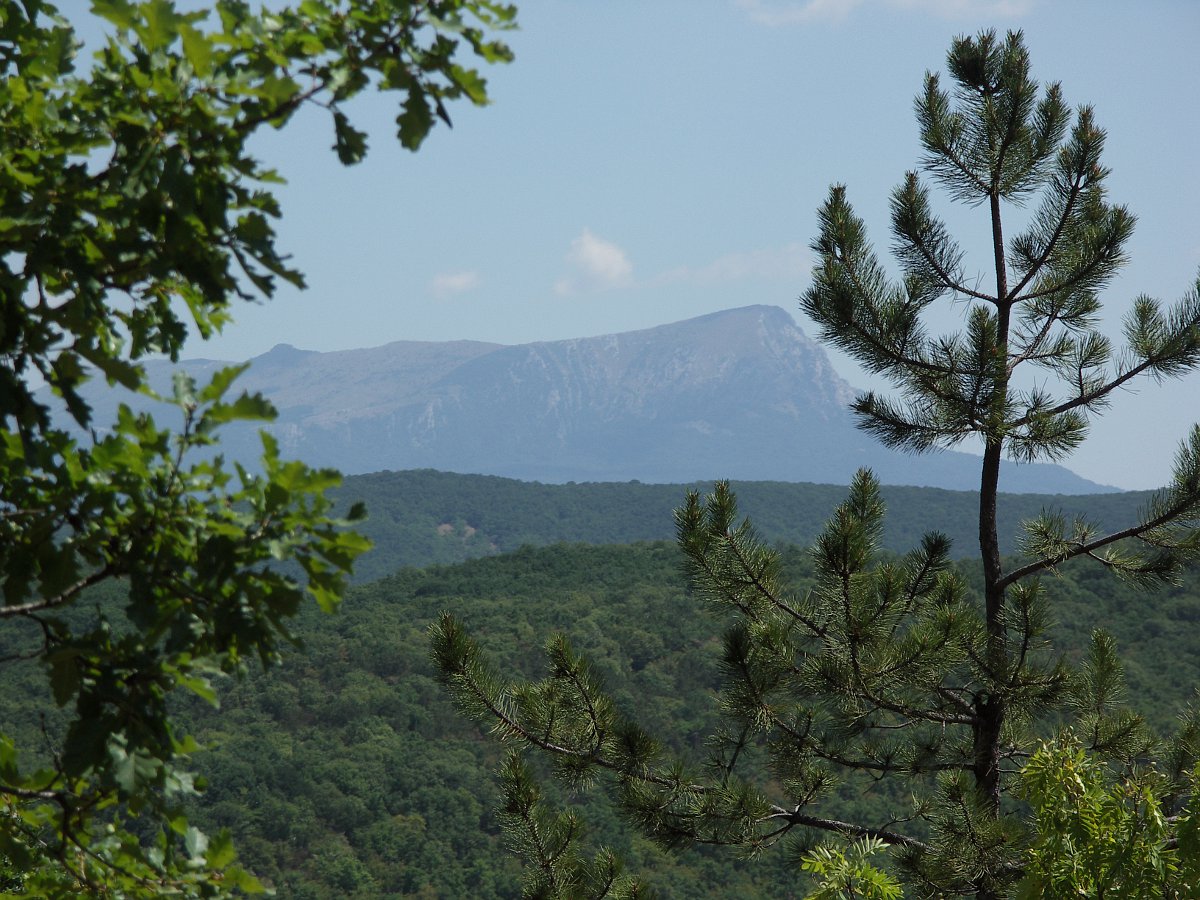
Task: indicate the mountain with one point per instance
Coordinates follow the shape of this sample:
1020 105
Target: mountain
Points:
741 394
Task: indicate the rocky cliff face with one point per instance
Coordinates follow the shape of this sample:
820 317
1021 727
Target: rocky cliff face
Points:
740 394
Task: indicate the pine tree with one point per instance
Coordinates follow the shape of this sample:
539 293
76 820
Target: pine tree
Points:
894 669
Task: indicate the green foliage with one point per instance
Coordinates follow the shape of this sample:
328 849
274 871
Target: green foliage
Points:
1096 833
1104 836
352 752
350 760
548 841
423 517
130 212
354 746
846 875
833 677
846 801
196 551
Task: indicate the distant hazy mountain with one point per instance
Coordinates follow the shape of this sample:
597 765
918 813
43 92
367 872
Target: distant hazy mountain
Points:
740 394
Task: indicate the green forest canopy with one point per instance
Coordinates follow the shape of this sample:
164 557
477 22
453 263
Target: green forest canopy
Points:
423 516
347 772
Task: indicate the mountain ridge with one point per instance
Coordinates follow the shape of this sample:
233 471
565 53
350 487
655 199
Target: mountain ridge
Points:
740 393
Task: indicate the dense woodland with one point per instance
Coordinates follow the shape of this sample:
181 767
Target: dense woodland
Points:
347 772
424 516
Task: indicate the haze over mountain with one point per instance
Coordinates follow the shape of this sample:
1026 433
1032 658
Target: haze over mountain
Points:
740 394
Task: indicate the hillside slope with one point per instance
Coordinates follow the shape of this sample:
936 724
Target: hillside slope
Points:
422 517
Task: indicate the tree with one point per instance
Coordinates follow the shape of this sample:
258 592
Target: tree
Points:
891 669
134 562
1100 835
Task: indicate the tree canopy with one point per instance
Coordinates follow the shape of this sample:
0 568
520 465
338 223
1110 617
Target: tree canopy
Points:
132 216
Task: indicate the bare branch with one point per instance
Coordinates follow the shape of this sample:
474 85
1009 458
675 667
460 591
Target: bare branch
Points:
66 596
796 817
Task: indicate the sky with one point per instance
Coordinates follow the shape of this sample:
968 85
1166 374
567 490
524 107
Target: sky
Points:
646 162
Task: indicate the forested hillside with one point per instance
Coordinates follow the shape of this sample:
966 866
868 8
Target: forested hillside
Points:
347 772
424 516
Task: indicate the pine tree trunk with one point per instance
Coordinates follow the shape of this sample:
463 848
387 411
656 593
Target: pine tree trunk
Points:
990 705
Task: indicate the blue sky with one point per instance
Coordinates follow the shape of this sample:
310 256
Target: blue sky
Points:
646 162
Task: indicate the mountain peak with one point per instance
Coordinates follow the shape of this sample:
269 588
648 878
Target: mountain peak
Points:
743 321
754 314
283 355
741 393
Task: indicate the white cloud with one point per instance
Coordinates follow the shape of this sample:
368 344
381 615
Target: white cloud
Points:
453 283
596 263
774 15
966 9
600 259
800 12
790 261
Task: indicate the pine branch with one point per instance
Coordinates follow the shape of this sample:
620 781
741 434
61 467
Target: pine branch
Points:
1067 210
913 226
1032 347
1093 396
707 539
950 695
795 817
933 114
1088 548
